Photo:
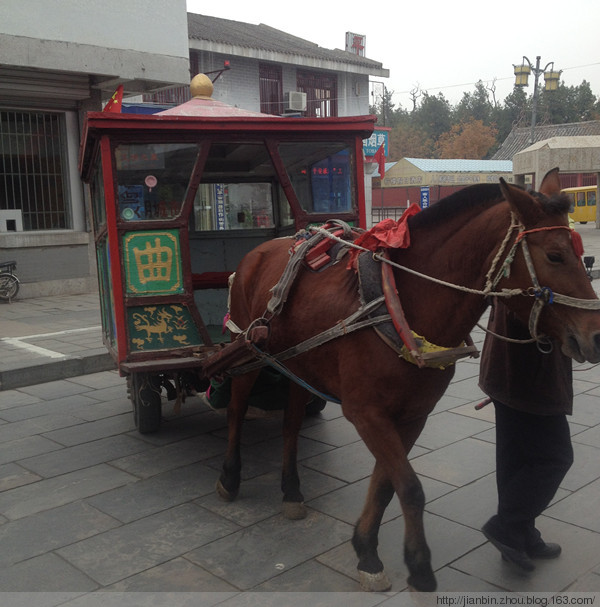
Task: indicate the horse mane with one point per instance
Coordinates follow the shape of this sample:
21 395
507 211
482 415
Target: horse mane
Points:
554 205
480 196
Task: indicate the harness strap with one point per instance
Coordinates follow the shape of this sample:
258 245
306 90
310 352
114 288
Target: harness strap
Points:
267 359
354 322
575 302
281 290
393 304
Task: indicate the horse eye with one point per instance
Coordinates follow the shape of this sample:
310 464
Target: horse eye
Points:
555 257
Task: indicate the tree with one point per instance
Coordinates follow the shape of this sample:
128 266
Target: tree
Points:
434 128
513 112
433 116
408 141
475 106
384 110
585 102
470 139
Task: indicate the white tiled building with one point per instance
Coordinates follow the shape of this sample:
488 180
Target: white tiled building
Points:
64 58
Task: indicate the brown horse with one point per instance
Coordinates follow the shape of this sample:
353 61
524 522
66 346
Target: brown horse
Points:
387 398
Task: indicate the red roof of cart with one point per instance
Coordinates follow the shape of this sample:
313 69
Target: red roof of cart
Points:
203 105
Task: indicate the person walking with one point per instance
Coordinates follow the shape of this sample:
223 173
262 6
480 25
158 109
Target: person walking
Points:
531 387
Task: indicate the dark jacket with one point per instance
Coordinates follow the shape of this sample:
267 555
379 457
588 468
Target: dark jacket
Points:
519 375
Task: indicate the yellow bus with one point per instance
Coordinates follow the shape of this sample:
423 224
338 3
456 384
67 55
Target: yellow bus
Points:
583 203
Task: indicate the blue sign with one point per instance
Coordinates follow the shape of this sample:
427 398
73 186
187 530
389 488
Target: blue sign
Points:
424 197
373 143
220 206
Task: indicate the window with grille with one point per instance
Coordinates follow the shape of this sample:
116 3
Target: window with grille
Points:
271 89
33 169
321 93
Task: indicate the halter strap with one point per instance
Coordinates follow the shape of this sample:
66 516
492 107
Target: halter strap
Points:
576 240
524 233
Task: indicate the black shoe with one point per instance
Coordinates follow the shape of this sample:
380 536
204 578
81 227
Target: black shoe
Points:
512 555
543 550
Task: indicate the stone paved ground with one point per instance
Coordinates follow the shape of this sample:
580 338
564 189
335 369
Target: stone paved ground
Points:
91 512
87 504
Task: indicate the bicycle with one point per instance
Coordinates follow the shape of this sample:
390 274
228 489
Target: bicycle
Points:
9 283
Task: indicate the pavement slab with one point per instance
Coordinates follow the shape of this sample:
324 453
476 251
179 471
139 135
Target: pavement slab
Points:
93 513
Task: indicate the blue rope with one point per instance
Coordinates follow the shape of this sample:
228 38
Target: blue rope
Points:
272 362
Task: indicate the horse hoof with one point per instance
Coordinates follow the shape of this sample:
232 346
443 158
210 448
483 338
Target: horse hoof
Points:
422 583
223 493
294 511
374 582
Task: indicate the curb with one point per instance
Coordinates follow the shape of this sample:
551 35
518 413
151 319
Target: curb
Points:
71 366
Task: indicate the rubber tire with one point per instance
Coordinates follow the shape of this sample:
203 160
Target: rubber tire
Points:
315 406
145 398
9 287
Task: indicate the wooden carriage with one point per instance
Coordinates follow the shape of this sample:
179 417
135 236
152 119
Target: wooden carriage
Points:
179 197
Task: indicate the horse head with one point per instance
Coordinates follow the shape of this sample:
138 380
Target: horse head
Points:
549 262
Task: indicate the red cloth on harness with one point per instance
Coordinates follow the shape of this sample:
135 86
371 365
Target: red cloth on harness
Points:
387 234
577 242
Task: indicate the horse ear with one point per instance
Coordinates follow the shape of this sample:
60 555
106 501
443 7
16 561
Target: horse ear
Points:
550 183
522 204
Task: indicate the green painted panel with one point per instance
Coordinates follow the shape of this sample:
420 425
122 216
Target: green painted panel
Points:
107 305
161 327
152 262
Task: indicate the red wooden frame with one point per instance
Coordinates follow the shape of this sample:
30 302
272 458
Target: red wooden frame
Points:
103 131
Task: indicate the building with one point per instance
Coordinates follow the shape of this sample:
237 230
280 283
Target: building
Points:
268 68
578 158
61 62
58 62
425 181
577 140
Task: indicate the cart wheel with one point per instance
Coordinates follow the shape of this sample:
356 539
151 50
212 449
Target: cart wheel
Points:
315 406
144 392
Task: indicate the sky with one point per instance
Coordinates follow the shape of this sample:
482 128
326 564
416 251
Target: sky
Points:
439 46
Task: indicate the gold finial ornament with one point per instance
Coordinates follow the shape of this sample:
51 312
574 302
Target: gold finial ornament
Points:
201 87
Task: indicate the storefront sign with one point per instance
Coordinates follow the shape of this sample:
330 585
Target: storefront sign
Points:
374 142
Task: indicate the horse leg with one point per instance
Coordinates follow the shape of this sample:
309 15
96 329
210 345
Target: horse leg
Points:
293 501
228 484
388 477
372 576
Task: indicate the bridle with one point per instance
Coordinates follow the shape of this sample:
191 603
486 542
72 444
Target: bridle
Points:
544 296
361 318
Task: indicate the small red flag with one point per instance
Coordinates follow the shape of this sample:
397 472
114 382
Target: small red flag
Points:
379 158
115 102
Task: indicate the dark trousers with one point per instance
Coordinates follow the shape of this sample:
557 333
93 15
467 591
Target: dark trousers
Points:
533 454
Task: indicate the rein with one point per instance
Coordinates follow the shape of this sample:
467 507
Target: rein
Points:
358 320
543 295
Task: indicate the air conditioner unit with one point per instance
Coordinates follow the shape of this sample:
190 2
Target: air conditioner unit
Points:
295 101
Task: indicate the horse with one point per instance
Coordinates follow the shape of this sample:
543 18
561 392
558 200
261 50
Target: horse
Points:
520 238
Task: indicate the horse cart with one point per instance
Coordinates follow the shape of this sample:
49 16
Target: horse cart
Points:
177 199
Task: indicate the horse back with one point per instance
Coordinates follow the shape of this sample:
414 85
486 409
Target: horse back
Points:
316 301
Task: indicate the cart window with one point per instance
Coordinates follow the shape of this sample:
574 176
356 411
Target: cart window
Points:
233 206
591 199
97 193
321 174
153 179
